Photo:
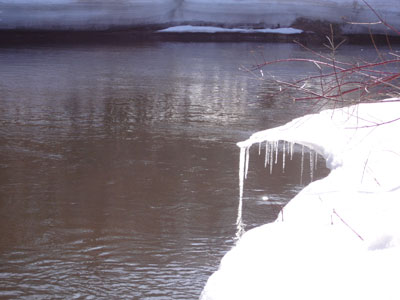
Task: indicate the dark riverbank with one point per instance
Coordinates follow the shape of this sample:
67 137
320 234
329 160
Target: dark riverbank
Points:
131 36
136 35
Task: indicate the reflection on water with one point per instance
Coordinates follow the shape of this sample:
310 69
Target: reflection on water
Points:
118 166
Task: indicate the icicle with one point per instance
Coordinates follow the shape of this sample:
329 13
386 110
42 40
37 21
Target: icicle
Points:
247 162
283 156
242 169
242 161
291 150
239 229
271 158
316 160
302 165
266 154
259 148
276 146
311 165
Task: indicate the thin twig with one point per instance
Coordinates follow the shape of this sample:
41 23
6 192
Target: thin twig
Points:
380 18
345 223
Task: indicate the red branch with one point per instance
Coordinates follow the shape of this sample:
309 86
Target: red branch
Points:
381 19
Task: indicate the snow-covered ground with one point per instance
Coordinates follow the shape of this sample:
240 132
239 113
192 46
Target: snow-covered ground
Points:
101 14
339 238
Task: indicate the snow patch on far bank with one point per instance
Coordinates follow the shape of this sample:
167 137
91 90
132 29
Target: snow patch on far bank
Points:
213 29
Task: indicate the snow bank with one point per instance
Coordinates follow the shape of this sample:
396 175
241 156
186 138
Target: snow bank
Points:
339 238
100 14
214 29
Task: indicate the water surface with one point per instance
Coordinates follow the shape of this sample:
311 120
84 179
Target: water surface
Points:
119 169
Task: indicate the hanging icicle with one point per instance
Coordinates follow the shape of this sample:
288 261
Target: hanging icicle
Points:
242 161
247 162
271 158
242 170
311 165
283 156
291 150
302 165
316 160
266 154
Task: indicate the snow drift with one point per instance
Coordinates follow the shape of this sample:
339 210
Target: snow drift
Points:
339 238
104 14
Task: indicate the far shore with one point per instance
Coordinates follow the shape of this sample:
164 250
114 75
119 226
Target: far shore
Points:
135 35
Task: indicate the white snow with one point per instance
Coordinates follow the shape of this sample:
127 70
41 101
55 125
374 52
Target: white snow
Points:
339 238
90 14
214 29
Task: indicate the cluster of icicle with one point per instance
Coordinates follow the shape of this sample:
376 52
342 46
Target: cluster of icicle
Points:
272 148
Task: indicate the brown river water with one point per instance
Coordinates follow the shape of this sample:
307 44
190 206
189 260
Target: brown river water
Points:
119 165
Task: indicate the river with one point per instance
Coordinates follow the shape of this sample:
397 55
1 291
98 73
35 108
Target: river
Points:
119 164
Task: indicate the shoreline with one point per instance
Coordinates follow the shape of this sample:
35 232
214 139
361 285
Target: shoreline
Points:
20 37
